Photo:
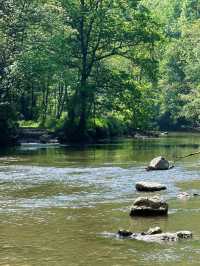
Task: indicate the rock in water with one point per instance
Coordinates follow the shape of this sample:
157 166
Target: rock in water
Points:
158 163
155 235
124 233
159 238
184 234
149 206
183 195
149 186
154 231
163 237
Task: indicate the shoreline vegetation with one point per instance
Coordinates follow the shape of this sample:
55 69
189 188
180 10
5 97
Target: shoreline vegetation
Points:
32 132
39 135
88 70
46 136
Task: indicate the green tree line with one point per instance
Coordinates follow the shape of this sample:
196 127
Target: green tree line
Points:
98 68
179 63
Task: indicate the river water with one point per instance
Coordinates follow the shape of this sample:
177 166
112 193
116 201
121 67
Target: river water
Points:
60 205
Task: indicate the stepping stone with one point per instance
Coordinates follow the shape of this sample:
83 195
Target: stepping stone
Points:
149 206
149 186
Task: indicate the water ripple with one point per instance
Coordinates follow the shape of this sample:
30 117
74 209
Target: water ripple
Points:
33 186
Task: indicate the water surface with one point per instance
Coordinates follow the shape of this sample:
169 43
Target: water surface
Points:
59 205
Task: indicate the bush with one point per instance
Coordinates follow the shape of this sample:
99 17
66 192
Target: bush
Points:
98 128
55 124
106 128
116 127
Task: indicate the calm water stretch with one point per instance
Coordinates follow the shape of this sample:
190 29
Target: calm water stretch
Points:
60 205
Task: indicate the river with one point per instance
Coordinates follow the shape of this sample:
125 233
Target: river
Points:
60 205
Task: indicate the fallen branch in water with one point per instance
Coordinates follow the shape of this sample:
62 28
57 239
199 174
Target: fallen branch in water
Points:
171 163
185 156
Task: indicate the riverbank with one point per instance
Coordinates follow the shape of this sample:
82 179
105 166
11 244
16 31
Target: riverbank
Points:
36 135
42 135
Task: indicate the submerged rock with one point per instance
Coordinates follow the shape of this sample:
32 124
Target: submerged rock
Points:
149 206
124 233
149 186
156 235
156 238
163 237
158 163
184 234
183 195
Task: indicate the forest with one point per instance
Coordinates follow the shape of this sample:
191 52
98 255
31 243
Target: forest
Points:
90 69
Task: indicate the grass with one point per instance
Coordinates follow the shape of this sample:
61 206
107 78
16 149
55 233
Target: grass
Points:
29 124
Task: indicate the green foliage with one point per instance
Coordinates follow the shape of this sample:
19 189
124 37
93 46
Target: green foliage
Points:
55 124
28 123
100 128
179 64
92 69
191 10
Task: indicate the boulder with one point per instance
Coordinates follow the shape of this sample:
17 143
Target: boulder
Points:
159 163
149 186
149 206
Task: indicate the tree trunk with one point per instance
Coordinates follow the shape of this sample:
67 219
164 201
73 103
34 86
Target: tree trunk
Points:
82 127
83 115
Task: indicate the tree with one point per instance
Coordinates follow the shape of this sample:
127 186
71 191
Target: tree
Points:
102 29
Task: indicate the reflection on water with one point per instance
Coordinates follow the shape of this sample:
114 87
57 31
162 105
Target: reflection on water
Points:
59 204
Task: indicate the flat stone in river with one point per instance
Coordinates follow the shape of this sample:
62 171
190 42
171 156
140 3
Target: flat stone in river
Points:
149 186
149 206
